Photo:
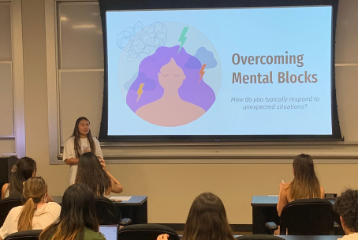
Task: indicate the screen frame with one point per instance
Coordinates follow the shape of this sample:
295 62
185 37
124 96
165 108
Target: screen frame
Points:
108 5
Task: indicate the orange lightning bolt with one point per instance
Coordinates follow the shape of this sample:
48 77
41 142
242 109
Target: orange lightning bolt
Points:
202 72
140 91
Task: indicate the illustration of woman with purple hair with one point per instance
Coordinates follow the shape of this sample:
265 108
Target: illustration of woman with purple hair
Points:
169 90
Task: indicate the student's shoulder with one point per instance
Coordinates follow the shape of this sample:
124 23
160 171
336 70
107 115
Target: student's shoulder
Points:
322 192
4 188
15 211
53 205
285 191
91 235
51 208
95 139
286 187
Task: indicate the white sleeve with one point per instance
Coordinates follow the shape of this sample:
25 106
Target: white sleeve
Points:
98 151
8 227
69 149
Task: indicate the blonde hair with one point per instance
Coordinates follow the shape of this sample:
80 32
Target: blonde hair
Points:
34 190
305 183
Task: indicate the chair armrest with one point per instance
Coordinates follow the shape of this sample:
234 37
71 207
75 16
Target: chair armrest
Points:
271 226
125 221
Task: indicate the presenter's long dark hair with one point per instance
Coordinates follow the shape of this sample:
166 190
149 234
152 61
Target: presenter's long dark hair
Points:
77 212
24 169
305 183
92 175
207 220
76 135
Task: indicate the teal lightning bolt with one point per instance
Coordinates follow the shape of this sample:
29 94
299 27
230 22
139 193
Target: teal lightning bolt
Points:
182 38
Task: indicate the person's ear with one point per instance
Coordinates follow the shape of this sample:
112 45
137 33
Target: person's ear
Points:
342 222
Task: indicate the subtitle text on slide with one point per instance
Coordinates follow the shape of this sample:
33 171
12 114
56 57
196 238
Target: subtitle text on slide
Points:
275 103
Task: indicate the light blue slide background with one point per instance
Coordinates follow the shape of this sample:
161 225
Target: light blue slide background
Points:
248 32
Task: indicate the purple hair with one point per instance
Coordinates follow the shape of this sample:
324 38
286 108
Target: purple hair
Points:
191 90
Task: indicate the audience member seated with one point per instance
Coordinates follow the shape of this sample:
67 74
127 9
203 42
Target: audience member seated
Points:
206 220
304 185
77 218
24 169
92 172
347 208
36 213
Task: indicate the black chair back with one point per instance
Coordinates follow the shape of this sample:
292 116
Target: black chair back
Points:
24 235
106 211
148 231
307 217
6 205
259 237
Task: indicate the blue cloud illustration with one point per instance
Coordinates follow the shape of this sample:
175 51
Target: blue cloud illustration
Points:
206 57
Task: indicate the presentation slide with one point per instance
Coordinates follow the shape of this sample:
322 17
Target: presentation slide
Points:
238 71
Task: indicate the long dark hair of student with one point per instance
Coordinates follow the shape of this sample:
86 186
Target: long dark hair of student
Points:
207 220
305 183
34 190
76 135
91 174
20 172
77 212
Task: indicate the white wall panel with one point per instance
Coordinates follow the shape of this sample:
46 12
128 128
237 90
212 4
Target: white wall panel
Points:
7 146
80 36
347 100
81 95
346 41
5 32
6 100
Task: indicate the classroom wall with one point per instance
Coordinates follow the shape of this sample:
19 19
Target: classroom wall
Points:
170 187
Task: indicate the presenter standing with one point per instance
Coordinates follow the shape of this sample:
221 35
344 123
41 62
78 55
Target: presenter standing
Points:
80 142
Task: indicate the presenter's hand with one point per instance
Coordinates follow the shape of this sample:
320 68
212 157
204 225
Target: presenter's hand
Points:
163 237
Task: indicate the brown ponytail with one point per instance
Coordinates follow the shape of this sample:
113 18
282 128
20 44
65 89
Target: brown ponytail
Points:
34 190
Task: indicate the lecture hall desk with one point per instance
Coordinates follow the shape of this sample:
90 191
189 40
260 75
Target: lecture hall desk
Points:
135 208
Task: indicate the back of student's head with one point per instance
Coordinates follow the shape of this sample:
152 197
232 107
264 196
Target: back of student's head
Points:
35 189
207 220
347 207
91 174
77 212
305 183
24 169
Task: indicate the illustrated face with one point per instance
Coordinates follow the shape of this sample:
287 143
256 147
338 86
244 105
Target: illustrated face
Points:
171 76
84 127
